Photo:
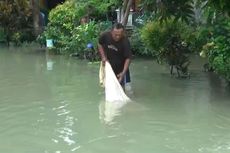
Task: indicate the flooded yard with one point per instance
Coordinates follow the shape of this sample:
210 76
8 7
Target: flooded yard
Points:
54 104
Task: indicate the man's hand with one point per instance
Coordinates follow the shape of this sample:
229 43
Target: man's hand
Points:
102 53
120 76
104 59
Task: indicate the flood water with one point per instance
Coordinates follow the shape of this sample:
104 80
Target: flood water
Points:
54 104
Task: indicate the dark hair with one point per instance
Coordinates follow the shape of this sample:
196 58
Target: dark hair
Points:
118 26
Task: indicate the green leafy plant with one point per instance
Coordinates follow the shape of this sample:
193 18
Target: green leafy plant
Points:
62 21
217 50
2 35
81 36
219 56
16 37
155 34
204 35
138 46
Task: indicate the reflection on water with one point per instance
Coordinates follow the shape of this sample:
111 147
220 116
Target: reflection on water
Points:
109 110
60 108
64 131
49 64
65 134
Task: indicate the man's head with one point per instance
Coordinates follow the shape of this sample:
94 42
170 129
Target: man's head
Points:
117 31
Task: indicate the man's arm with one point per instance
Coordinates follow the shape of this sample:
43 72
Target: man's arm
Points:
102 53
126 66
128 55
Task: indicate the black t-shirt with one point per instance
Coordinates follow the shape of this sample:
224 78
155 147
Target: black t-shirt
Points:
116 52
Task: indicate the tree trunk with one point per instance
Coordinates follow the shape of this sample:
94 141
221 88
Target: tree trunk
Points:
120 16
36 11
125 3
127 6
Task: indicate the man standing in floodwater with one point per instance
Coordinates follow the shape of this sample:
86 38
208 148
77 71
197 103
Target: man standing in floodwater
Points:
114 47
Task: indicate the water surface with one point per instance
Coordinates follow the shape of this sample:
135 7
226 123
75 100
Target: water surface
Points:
54 104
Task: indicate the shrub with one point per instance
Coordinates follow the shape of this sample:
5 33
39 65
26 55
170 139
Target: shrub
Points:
217 50
2 35
200 37
104 25
156 35
65 29
61 21
81 36
168 41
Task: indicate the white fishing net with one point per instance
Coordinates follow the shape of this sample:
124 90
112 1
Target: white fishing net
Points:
113 90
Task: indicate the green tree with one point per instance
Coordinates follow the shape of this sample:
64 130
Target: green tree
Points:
167 9
211 10
123 5
15 15
219 5
64 28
